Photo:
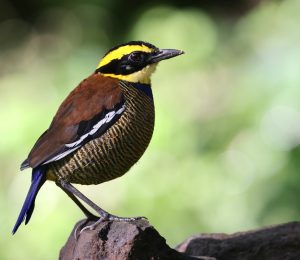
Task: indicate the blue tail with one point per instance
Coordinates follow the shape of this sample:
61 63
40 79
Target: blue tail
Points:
38 179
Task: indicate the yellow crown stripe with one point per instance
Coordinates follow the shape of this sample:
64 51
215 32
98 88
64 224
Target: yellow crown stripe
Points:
120 52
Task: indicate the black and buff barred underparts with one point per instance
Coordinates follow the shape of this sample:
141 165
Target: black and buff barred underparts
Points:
113 153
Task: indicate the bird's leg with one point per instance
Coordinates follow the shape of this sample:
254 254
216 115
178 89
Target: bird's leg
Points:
70 189
85 211
104 214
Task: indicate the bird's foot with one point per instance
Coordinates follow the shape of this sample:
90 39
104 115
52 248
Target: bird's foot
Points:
124 219
81 225
93 226
109 217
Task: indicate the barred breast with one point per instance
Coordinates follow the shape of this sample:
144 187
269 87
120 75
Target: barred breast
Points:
112 154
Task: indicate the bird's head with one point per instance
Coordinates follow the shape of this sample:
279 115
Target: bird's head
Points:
134 61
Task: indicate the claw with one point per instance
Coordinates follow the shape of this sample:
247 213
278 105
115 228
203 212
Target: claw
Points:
79 226
93 226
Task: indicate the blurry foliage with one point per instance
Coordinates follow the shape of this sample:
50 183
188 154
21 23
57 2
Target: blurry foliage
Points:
225 152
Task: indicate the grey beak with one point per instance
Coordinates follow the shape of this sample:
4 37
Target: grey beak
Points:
163 54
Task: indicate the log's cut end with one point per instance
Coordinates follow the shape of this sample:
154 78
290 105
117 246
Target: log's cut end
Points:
117 240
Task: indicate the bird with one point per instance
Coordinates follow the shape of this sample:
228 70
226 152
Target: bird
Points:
100 130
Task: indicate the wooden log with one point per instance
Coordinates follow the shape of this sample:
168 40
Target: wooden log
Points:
139 240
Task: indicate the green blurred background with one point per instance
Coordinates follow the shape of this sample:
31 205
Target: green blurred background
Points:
225 152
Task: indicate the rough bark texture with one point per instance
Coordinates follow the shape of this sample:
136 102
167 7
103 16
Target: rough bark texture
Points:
117 240
271 243
139 240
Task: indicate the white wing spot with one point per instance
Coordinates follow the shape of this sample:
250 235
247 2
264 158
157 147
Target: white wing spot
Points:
75 145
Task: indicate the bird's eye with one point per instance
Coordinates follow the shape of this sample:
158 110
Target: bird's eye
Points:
136 57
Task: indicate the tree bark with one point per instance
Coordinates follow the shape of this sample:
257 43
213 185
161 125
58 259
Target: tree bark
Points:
139 240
